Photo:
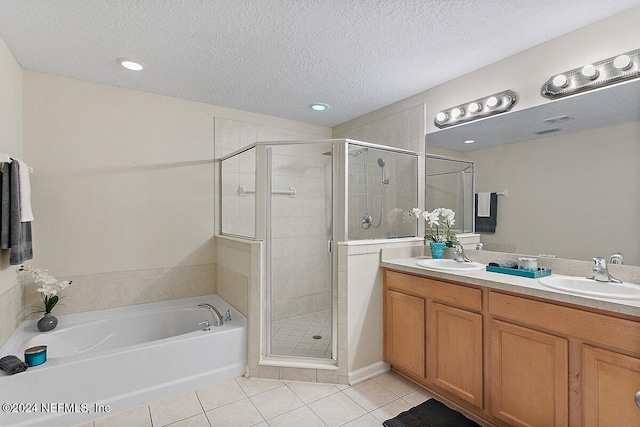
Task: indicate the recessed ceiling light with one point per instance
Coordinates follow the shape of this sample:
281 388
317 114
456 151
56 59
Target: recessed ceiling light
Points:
470 141
317 106
130 65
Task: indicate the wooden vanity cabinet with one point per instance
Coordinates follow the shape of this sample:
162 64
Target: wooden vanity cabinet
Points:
601 352
454 351
405 332
433 333
541 363
529 376
610 382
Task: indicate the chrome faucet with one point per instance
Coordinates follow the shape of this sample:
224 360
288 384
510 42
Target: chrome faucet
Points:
616 258
217 317
458 254
601 272
205 325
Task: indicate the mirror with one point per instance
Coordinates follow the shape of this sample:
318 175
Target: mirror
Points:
572 171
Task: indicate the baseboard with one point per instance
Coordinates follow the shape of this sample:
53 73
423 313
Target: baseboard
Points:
370 371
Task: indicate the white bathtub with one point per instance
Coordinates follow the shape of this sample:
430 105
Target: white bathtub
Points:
120 358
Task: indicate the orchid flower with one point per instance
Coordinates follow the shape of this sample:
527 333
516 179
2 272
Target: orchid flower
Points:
49 286
439 217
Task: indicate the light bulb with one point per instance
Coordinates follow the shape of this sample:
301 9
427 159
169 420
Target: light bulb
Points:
474 107
318 106
457 112
469 141
590 72
560 81
441 117
493 102
622 62
130 65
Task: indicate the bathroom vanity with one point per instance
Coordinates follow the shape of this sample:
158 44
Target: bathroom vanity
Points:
510 352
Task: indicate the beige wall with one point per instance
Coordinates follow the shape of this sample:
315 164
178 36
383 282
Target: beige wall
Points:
573 195
10 135
123 179
10 143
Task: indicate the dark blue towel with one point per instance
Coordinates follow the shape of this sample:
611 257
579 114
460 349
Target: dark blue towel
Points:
12 365
14 234
488 224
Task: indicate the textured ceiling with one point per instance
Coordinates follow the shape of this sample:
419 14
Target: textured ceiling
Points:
277 56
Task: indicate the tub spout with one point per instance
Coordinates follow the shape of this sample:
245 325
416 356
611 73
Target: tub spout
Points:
217 317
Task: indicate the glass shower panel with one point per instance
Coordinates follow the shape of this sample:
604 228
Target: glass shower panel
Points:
301 268
450 184
238 194
382 190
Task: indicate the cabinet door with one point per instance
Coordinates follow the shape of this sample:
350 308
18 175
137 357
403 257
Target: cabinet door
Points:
405 332
610 383
529 376
454 351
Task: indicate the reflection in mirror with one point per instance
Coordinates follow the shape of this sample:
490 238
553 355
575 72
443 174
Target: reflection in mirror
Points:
449 184
571 167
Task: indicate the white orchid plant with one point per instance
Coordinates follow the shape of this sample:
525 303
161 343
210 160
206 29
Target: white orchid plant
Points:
49 287
440 221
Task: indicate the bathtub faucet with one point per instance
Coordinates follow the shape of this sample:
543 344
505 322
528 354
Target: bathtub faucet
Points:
217 317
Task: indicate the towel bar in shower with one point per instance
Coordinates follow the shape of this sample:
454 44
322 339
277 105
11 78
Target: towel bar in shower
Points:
243 191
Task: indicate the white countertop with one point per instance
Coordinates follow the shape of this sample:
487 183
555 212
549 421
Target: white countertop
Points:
515 284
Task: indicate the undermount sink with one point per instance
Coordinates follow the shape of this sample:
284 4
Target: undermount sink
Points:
449 265
593 288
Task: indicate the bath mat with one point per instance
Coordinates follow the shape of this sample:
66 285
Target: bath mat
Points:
430 414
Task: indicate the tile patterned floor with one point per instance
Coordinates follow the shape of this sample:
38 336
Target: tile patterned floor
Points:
294 336
245 402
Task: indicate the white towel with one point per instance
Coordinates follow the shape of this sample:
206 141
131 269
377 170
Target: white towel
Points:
484 205
26 214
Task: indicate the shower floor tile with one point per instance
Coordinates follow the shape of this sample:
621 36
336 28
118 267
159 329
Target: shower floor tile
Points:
294 336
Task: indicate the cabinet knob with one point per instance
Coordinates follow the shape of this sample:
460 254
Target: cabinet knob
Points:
638 399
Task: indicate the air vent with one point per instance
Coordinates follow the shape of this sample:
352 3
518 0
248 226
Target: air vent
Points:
563 118
542 132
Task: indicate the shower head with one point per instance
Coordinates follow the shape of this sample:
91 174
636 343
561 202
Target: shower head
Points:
381 163
356 153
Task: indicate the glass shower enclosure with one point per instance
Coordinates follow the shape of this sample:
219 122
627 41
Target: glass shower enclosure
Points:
301 198
449 183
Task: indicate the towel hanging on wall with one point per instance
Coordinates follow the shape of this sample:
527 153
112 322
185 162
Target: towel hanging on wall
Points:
484 205
14 234
26 214
488 224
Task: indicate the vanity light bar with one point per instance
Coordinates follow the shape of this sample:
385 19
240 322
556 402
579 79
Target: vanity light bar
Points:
477 109
592 76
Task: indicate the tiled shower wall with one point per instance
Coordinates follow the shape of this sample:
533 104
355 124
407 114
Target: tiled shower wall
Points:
388 204
299 223
404 129
301 228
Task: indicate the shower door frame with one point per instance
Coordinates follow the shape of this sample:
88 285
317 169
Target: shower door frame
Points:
264 184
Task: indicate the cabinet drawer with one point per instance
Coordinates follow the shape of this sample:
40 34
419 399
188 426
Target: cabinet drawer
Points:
620 333
448 293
